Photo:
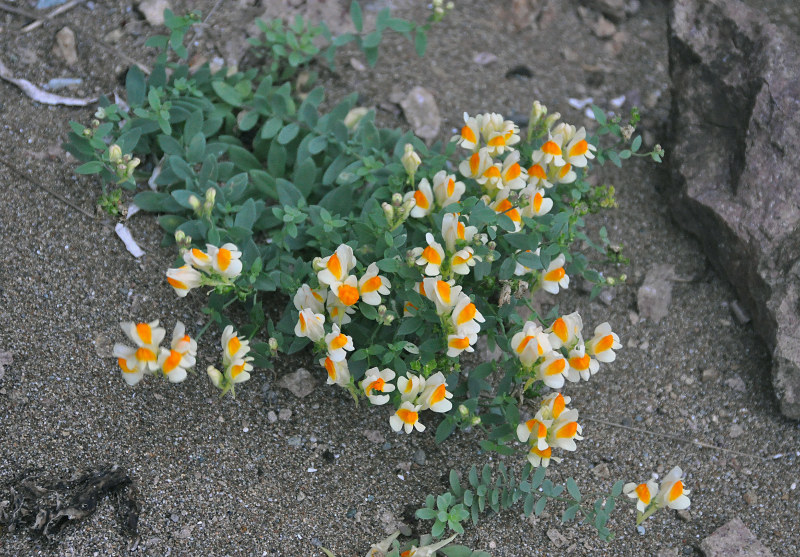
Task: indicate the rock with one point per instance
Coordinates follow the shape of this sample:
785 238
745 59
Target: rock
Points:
655 293
65 46
422 113
736 431
733 539
153 11
603 28
5 360
301 383
284 414
556 537
751 498
272 416
484 58
614 9
685 515
419 457
601 471
710 374
374 435
736 128
739 313
736 383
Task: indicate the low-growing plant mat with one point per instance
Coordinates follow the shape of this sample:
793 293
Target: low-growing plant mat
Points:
219 477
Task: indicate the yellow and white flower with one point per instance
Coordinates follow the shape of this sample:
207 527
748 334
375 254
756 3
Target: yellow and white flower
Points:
562 174
346 291
537 204
553 405
538 178
498 133
643 493
375 382
603 343
233 348
431 257
453 230
446 190
566 331
534 431
423 196
410 386
456 344
338 344
555 276
338 372
181 355
541 458
144 358
470 135
530 344
407 418
337 266
581 365
512 175
435 394
465 316
198 259
522 270
443 294
564 430
462 260
504 206
183 279
578 150
476 165
337 311
371 285
551 371
310 324
550 152
226 260
311 298
671 493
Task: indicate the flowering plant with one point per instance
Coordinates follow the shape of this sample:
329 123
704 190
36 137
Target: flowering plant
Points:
395 258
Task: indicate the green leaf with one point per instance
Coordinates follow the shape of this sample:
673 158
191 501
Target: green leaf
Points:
538 508
599 115
170 145
455 483
276 159
420 42
572 489
288 133
227 93
356 15
243 159
617 489
248 120
288 194
92 167
637 142
246 215
425 514
197 148
527 507
128 140
317 145
569 513
271 128
135 86
157 202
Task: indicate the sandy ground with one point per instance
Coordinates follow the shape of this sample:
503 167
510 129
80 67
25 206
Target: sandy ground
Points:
218 477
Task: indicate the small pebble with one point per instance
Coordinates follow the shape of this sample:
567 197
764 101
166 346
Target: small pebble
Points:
641 530
295 441
272 417
386 446
284 414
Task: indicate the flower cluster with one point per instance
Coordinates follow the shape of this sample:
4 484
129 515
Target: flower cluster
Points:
651 497
217 267
235 361
553 426
559 352
149 357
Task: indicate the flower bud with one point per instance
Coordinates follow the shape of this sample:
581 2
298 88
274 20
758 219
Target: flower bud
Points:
317 264
87 132
475 420
273 345
95 123
388 212
552 119
114 153
354 116
133 163
397 199
463 410
627 132
388 319
410 160
381 310
215 375
409 204
100 113
211 196
194 203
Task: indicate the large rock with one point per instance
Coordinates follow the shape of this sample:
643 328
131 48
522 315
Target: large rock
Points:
735 164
